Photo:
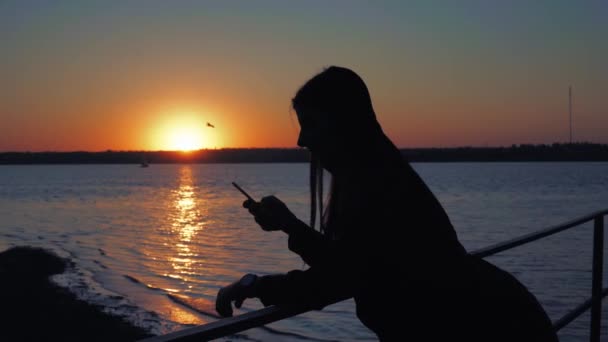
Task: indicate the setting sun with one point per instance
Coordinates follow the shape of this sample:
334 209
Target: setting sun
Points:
185 139
180 130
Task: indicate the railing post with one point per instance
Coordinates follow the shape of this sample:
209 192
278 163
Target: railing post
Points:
596 280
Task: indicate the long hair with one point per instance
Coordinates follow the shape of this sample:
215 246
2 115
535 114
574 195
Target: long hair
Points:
316 193
342 95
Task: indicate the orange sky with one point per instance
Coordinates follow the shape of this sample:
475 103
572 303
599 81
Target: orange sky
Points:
82 76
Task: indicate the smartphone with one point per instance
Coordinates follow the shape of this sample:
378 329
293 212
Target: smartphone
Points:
243 191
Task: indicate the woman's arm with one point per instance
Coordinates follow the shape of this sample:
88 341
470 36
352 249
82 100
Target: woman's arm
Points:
333 280
312 246
314 288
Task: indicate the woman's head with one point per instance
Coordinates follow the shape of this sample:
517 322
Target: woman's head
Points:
335 111
338 90
337 121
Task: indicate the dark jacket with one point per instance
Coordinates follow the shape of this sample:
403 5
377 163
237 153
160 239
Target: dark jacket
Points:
395 251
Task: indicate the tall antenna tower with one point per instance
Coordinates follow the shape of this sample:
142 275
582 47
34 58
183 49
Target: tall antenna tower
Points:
570 110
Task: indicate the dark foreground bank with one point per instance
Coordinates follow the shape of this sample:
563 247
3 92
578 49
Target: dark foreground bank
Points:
34 309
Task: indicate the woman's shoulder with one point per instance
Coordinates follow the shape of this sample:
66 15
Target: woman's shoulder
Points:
376 188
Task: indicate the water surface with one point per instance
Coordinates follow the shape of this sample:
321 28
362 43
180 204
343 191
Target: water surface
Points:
138 235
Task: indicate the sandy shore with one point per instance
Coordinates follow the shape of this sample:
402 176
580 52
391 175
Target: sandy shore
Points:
34 309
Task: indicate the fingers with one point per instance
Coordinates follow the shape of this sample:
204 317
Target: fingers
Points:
224 310
267 203
267 199
222 304
270 200
239 302
248 203
264 223
253 206
226 295
271 205
259 213
270 213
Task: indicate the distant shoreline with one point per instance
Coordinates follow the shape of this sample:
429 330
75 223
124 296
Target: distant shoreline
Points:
515 153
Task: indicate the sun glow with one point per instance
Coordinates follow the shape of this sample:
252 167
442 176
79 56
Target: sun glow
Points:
185 139
183 131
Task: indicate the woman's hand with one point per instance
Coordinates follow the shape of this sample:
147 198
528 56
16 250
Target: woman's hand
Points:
236 292
271 214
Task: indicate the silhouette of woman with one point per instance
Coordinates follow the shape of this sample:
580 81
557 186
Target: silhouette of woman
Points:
384 239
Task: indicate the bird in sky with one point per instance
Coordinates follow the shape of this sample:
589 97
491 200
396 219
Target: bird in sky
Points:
210 125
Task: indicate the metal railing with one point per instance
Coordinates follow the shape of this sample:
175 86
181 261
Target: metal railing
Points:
233 325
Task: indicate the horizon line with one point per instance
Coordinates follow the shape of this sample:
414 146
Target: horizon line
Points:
299 148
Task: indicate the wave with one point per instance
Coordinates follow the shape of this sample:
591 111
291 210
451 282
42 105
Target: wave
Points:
139 282
100 264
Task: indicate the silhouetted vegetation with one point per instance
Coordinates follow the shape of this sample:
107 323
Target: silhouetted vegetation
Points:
524 152
514 153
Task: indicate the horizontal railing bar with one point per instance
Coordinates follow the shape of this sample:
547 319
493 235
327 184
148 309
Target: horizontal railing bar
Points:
502 246
233 325
228 326
576 312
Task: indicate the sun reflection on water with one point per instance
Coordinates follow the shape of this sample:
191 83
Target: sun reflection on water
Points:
186 222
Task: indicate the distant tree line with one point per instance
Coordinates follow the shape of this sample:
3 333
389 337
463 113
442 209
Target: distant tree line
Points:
524 152
228 155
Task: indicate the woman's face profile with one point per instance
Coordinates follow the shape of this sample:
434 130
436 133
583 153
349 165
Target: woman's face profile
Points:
305 138
316 135
312 130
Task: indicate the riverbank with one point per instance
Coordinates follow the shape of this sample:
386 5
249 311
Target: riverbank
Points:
35 309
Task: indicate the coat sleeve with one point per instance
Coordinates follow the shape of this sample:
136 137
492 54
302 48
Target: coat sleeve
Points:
312 246
313 288
338 270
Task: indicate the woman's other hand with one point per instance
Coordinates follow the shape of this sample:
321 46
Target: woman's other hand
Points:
271 214
236 292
